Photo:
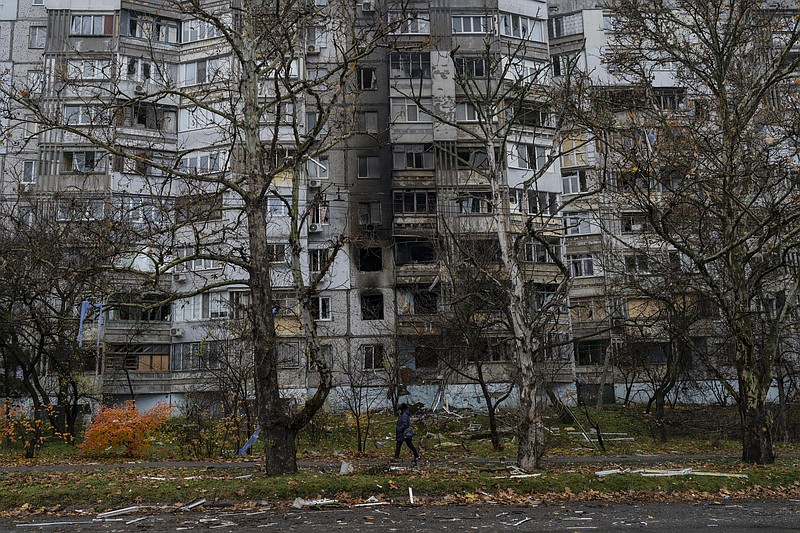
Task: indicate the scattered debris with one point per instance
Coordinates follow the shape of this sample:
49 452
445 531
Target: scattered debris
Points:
516 472
346 468
249 444
670 472
602 473
474 427
515 524
191 505
410 496
117 512
223 524
129 522
371 502
43 524
299 503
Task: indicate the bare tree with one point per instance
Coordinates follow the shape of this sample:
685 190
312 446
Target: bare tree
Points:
709 155
262 110
48 270
509 121
361 390
467 325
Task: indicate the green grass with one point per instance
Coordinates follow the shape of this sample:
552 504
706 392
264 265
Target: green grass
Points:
104 489
442 438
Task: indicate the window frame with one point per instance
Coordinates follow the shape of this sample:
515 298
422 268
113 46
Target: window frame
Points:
317 259
278 253
574 152
321 308
401 204
635 223
290 349
420 156
369 213
91 209
186 31
470 66
527 156
579 224
476 203
30 171
373 306
98 166
367 164
37 37
420 24
535 251
402 108
581 265
107 29
485 24
374 353
211 68
521 27
276 207
410 65
361 77
574 182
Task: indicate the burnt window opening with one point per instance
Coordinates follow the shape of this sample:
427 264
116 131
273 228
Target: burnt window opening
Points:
370 259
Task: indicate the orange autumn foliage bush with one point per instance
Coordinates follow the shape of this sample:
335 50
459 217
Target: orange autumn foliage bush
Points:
124 430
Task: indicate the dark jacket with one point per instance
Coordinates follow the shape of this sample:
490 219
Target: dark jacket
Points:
403 423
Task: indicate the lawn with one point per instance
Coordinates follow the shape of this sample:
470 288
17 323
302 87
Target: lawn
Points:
447 475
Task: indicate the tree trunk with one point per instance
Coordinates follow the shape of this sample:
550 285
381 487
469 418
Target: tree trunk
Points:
491 409
756 435
281 449
598 405
531 426
359 435
782 421
660 429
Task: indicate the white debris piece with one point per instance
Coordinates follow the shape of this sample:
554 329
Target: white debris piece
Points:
191 505
117 512
299 503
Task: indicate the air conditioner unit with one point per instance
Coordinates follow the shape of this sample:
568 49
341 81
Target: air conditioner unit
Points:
366 7
179 277
176 332
311 49
314 184
313 228
139 89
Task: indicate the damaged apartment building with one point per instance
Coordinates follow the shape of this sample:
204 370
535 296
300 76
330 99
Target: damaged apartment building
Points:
402 198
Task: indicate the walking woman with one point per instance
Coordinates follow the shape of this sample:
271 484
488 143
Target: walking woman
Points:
405 433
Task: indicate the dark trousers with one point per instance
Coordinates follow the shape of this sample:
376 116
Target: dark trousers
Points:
410 447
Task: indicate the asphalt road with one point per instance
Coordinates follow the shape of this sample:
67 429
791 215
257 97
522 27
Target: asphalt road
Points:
728 516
